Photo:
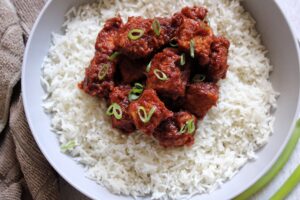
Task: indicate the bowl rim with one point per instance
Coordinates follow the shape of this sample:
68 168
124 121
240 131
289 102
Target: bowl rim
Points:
60 172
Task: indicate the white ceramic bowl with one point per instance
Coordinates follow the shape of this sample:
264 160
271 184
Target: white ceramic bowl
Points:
276 35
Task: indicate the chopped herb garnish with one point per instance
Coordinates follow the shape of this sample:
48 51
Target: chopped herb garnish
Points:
103 71
113 55
182 59
160 75
135 34
115 110
148 67
68 146
173 43
135 91
156 27
198 78
143 113
188 127
192 48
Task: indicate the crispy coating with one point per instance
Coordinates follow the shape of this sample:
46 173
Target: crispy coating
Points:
195 12
132 70
105 42
218 63
168 62
169 85
168 133
148 100
91 84
201 34
148 42
200 97
119 95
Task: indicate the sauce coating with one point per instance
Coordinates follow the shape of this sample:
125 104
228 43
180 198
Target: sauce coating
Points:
158 75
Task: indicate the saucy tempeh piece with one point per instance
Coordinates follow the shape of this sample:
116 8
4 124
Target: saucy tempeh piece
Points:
218 63
172 132
200 97
147 41
165 75
119 95
148 101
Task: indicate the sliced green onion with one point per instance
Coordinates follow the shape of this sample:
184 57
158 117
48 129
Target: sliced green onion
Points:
135 92
182 59
183 129
135 34
113 55
68 146
188 127
148 67
143 113
133 97
115 110
198 78
279 164
160 75
103 71
173 43
156 27
192 48
288 185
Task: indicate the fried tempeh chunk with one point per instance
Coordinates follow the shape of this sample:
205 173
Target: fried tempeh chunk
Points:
177 131
200 97
165 75
148 111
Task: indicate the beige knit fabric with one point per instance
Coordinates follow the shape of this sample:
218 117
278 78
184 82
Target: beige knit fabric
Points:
24 172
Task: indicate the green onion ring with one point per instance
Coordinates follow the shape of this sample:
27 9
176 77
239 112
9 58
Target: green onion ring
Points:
113 55
144 117
156 27
115 110
68 146
148 67
135 92
182 59
173 43
198 78
160 75
135 34
188 127
103 71
192 48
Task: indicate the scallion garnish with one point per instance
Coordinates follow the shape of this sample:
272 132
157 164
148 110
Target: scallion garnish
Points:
143 113
135 92
68 146
135 34
188 127
182 59
192 48
113 55
103 71
148 67
156 27
160 75
173 43
115 110
198 78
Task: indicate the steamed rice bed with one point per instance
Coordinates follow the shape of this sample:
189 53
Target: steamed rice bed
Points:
136 164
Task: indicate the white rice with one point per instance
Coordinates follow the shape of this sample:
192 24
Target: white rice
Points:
136 165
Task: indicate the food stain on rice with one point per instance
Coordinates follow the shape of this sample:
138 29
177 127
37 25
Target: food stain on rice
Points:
136 165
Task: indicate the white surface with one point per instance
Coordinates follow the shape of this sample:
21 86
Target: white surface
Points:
69 193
